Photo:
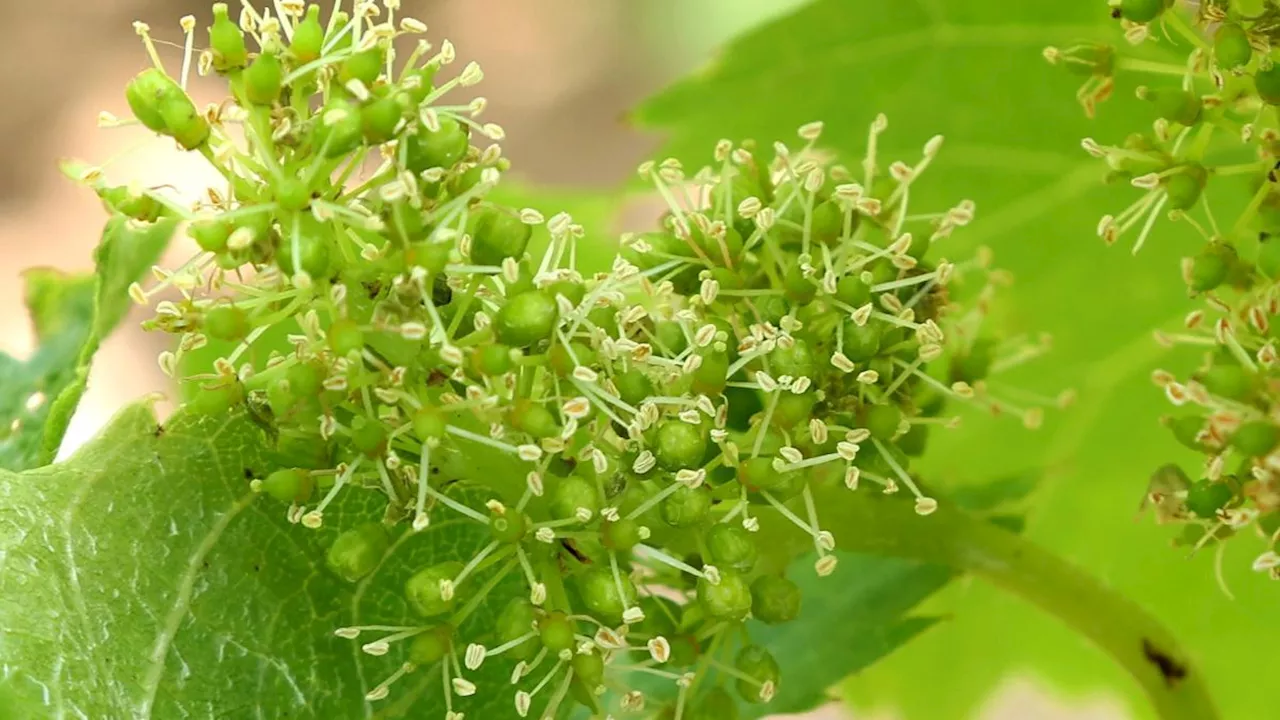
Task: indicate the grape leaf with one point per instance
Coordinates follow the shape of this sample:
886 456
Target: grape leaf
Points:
143 578
971 70
71 316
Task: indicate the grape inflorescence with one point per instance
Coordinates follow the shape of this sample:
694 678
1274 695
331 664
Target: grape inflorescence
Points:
1214 138
785 328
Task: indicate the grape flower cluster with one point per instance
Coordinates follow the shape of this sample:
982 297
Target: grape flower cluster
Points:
1214 143
783 329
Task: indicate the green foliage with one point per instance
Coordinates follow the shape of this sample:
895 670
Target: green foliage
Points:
145 578
949 68
71 316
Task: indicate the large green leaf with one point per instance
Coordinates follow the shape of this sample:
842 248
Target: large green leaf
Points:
971 70
71 316
143 578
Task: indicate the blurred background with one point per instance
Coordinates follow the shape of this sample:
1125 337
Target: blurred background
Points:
560 75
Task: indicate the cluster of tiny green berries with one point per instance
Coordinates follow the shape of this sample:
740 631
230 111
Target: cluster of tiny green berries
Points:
785 330
1215 126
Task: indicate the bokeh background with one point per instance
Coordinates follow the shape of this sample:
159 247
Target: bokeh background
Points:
561 76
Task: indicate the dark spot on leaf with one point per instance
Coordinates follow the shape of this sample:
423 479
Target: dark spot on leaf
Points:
248 473
1172 670
256 568
158 432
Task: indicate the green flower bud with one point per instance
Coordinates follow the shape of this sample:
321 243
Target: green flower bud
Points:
437 149
509 527
211 234
600 591
1205 498
1231 46
572 291
1256 438
621 536
380 118
1141 11
729 546
687 507
162 106
491 360
883 421
226 39
1176 105
799 288
515 621
758 664
497 233
589 668
345 337
364 66
557 632
792 410
827 223
308 37
569 494
263 79
356 552
1267 83
797 360
430 592
711 378
431 646
339 127
530 417
679 445
368 436
774 599
562 362
217 398
307 247
635 387
1210 268
281 398
143 94
861 343
291 486
1184 187
1229 380
305 379
227 323
730 599
526 319
757 474
1186 430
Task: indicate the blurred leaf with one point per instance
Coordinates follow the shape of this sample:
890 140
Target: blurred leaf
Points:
143 578
971 70
71 316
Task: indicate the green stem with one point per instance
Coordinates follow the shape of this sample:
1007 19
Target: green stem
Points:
1118 626
1179 25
